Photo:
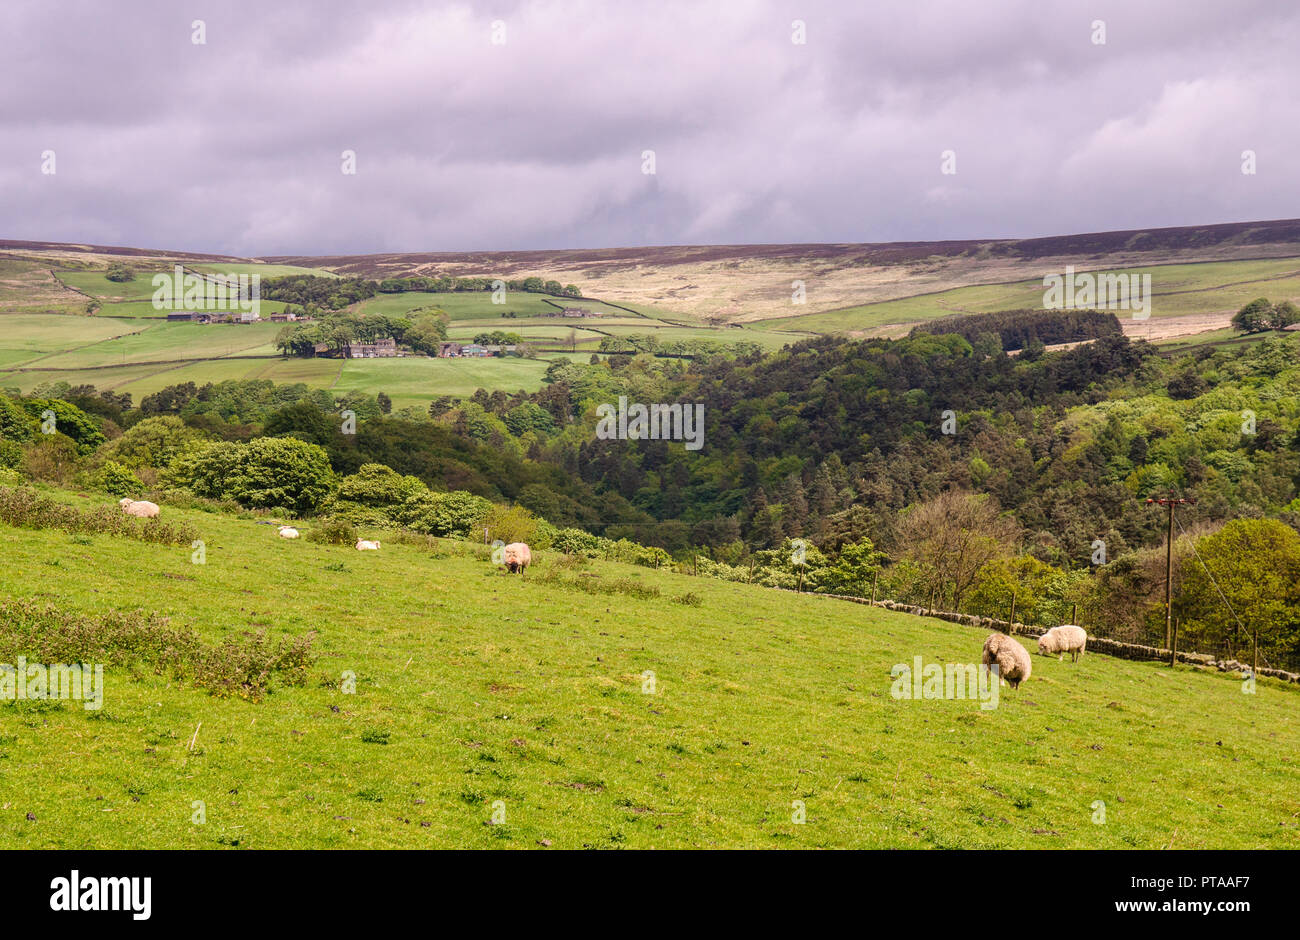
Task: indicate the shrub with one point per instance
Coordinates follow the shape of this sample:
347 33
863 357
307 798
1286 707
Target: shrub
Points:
241 665
334 531
23 507
15 423
153 442
266 472
68 420
114 478
119 272
454 515
52 459
512 524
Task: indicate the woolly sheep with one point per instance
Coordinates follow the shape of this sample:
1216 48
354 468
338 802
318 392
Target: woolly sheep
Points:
139 507
288 532
364 545
1011 658
518 556
1066 638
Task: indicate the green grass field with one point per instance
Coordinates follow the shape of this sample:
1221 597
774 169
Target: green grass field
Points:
265 270
1177 290
478 306
144 309
96 284
416 381
474 687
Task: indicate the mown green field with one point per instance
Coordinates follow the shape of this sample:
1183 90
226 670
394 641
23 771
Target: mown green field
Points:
416 381
478 306
144 309
97 285
473 687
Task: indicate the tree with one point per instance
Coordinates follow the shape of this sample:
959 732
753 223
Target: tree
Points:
1255 563
267 473
951 537
1254 317
153 442
1284 314
385 403
854 569
119 272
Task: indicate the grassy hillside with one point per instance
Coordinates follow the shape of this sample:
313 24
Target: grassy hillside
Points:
473 686
1178 290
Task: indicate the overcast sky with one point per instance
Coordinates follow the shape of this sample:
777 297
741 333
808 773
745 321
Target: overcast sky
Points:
235 145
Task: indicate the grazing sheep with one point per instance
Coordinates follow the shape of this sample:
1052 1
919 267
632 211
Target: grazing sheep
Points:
364 545
288 532
1066 638
139 507
517 556
1011 658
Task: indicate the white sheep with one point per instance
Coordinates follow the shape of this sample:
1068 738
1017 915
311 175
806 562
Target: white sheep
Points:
139 507
288 532
1011 658
1066 638
517 556
365 545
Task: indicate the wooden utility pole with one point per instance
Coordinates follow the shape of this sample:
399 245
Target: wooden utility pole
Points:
1171 501
1173 648
874 579
1011 624
1074 614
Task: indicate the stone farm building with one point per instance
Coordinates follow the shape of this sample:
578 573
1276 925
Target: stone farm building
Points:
214 316
384 348
471 350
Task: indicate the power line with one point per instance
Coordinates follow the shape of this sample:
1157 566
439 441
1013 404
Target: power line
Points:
1223 596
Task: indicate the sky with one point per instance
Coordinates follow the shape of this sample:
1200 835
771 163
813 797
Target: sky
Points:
525 125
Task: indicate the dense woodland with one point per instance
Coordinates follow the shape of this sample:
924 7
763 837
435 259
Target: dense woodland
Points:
935 469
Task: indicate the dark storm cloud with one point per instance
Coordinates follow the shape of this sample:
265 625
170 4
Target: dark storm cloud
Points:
235 145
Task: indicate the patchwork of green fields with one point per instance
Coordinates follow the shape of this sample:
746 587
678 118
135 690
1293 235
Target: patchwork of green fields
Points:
129 354
535 703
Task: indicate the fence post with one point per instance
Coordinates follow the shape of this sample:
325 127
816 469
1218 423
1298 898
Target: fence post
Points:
1011 623
1074 614
874 579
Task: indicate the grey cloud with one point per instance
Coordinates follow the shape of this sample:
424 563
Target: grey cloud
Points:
235 146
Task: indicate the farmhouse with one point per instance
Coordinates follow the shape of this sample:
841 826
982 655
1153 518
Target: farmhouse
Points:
474 350
214 316
384 348
578 312
448 350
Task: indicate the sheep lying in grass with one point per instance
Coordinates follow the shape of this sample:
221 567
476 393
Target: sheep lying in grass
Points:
517 556
1009 656
364 545
139 507
288 532
1066 638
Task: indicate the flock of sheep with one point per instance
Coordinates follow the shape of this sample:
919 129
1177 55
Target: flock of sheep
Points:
1012 659
517 555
